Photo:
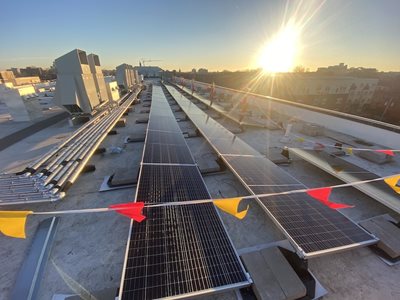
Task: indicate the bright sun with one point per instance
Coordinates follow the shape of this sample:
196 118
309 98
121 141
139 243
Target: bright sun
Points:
279 54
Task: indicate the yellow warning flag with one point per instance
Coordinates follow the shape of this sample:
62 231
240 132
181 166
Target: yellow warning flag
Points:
338 169
12 223
392 182
349 151
230 205
300 139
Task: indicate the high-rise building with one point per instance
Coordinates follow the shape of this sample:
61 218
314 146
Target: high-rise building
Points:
94 63
75 88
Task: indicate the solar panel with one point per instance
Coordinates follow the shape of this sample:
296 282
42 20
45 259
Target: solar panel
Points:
178 251
162 123
166 153
232 113
349 172
170 138
232 145
312 228
312 225
258 170
165 183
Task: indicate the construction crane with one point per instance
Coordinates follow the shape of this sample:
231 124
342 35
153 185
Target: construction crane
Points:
143 61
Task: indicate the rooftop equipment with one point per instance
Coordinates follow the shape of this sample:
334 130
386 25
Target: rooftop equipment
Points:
94 63
75 88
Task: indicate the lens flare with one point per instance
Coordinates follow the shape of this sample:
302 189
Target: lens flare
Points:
279 53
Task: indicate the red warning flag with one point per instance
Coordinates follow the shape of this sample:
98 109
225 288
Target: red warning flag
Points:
319 146
132 210
322 195
387 152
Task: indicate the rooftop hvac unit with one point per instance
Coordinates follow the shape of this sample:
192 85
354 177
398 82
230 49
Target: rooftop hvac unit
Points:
94 63
75 83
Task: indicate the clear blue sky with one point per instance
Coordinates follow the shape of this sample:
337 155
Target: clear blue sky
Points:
215 34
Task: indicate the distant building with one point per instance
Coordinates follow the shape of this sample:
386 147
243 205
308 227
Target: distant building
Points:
338 69
112 88
334 92
26 80
202 71
21 102
362 90
94 63
75 88
16 71
125 76
31 71
386 104
7 76
149 71
342 69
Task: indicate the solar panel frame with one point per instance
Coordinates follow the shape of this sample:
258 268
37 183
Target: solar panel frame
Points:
159 183
167 154
258 170
338 232
377 190
164 123
234 279
170 138
183 250
253 180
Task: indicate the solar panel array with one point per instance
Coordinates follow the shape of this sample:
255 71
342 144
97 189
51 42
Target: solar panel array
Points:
232 113
313 228
178 250
349 172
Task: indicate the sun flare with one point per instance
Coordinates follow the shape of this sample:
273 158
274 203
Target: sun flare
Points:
279 53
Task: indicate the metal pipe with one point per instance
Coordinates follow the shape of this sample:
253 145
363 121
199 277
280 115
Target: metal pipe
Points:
55 175
49 178
36 164
63 171
58 167
90 135
76 173
59 159
82 147
85 148
66 175
53 165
